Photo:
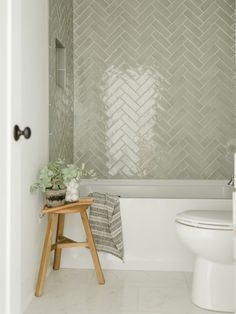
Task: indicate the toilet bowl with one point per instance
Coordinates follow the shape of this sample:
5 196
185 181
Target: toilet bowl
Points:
208 234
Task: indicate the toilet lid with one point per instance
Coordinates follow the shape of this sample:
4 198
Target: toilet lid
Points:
209 219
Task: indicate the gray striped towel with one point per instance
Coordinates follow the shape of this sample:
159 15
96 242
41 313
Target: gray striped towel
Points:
105 223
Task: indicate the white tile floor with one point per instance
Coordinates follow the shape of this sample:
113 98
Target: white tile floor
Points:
125 292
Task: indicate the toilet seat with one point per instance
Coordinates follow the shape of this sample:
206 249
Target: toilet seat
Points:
207 219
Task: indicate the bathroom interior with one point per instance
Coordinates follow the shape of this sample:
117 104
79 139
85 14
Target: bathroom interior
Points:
143 92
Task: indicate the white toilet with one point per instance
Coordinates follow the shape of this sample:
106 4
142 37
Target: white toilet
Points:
209 235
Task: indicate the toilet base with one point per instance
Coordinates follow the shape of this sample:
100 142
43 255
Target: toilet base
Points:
213 286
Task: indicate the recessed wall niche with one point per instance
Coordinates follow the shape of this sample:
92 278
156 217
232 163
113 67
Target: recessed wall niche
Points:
60 64
61 100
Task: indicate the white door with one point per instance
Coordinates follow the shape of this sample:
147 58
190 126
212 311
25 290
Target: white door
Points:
234 222
3 154
23 101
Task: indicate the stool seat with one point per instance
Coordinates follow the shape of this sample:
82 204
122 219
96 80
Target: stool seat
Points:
58 214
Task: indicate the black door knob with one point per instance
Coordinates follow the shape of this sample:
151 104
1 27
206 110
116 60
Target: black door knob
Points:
17 132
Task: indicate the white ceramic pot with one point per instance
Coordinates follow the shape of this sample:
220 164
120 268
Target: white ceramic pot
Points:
72 191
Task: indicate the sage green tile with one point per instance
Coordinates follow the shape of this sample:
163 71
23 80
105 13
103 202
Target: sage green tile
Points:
154 88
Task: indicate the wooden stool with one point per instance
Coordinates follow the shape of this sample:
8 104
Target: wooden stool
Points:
64 242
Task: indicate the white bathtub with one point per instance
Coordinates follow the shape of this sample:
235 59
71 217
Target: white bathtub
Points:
148 210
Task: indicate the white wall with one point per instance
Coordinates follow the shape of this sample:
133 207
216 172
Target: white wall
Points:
150 241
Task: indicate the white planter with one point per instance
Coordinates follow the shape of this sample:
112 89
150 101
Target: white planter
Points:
72 191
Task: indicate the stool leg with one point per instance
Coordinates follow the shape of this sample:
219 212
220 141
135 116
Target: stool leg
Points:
92 248
57 254
45 255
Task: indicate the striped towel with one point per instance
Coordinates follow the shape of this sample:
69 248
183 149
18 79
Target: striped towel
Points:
105 223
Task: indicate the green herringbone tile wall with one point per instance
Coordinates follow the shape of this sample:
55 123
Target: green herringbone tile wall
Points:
154 88
61 114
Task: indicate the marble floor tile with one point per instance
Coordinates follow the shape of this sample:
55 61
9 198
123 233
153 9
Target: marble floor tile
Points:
167 300
145 278
189 278
125 292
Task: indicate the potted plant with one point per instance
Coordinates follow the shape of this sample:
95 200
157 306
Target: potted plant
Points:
51 181
72 175
60 182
